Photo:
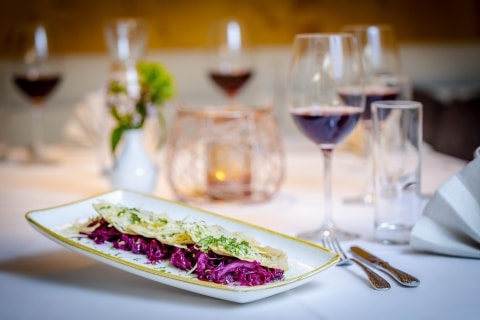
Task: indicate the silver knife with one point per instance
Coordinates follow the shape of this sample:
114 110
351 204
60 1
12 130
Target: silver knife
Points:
401 276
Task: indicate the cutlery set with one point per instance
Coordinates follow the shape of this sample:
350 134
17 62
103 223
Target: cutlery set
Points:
366 258
400 276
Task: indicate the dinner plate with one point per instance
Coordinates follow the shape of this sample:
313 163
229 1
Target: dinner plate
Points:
305 260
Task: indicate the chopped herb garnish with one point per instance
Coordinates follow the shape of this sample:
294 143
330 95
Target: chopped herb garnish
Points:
232 245
135 218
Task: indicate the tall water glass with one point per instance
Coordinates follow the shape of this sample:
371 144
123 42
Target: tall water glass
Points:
397 132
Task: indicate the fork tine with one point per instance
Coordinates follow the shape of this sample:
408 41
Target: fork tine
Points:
339 249
324 243
332 244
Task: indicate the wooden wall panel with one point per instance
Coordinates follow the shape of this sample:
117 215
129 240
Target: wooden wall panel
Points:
76 26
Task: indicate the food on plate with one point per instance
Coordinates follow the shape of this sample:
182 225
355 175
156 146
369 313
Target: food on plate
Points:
210 252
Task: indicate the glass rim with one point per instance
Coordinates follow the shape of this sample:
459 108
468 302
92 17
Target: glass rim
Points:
323 35
130 21
366 26
396 104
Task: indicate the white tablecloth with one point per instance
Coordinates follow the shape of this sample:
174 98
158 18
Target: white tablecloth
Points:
41 280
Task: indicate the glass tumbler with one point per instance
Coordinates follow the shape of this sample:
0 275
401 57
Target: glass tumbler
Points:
397 134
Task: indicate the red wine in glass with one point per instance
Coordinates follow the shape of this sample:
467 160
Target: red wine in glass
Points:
372 94
327 125
230 82
37 88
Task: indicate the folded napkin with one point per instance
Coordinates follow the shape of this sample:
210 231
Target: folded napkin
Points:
84 128
450 223
90 125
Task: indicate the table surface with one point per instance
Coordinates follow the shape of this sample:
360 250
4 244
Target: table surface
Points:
41 279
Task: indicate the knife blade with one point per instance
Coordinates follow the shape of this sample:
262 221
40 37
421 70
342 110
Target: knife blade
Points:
400 276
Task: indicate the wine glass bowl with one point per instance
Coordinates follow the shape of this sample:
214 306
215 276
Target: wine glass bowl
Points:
36 79
381 60
325 98
37 87
232 81
229 65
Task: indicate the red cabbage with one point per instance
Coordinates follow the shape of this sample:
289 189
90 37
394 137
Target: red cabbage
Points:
209 266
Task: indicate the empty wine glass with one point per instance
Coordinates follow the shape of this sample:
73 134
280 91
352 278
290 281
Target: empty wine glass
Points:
229 63
325 71
36 79
383 81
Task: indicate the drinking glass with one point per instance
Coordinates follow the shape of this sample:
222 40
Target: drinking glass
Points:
325 73
36 79
229 63
382 82
397 154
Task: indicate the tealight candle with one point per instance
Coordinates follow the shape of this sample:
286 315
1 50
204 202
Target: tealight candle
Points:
228 170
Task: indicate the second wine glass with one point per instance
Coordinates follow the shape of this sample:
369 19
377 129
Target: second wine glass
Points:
325 68
36 79
381 59
229 65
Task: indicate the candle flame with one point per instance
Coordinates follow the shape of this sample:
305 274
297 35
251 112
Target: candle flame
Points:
220 175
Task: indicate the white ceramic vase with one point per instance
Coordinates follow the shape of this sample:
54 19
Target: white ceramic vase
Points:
134 169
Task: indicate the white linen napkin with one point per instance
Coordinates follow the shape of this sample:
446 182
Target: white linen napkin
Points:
450 223
84 128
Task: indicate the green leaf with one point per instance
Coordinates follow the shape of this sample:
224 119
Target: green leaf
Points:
141 108
116 137
114 113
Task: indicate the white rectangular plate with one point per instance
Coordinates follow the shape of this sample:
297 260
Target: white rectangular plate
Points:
305 260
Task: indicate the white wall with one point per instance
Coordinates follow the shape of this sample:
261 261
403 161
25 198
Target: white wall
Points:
447 71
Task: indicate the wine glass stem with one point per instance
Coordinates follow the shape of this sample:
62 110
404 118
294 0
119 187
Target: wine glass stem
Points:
368 149
37 131
231 99
328 224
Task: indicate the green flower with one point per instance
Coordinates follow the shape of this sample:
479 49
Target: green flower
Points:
156 87
156 82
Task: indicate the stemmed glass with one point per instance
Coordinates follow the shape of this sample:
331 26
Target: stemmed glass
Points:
229 65
325 72
36 79
382 82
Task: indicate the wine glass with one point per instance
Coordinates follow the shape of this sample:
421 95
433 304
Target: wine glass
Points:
36 79
382 82
229 65
325 71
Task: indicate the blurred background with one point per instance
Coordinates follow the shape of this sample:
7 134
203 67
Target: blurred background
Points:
439 47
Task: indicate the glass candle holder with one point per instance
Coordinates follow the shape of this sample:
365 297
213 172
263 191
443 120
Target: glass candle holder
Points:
228 170
225 154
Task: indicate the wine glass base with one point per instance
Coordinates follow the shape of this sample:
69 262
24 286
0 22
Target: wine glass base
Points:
36 157
26 157
318 235
35 161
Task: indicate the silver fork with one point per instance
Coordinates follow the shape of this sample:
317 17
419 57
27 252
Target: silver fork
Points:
377 282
